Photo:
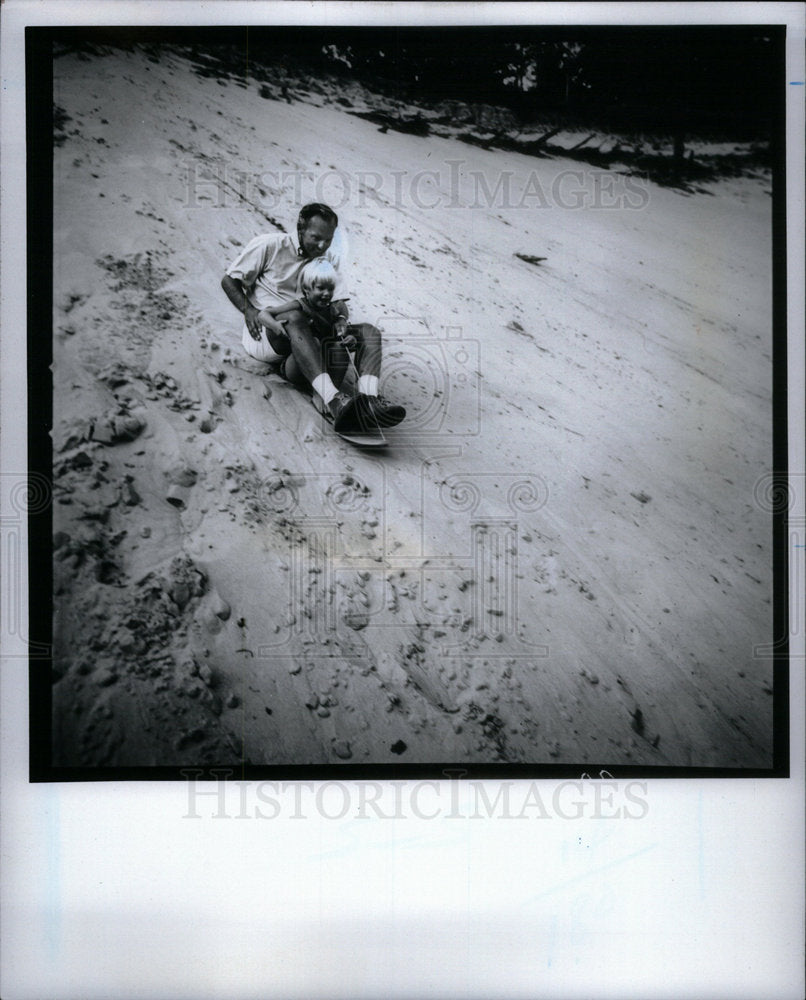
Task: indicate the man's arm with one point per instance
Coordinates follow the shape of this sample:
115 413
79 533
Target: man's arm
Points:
235 292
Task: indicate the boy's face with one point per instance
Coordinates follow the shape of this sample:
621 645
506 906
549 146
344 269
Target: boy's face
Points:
319 294
316 236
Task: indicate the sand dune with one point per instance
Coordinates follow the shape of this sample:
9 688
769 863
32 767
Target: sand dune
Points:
563 556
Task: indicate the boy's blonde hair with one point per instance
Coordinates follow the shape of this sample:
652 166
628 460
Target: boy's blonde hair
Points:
319 271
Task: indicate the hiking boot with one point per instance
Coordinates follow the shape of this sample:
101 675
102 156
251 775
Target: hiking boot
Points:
345 412
385 413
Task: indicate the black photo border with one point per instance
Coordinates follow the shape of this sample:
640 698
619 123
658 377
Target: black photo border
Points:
39 43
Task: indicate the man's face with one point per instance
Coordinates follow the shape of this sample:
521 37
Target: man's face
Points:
316 236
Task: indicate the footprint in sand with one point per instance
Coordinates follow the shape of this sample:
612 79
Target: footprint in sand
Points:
181 480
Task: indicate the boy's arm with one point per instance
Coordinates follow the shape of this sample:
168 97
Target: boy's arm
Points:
339 310
284 307
268 316
255 318
339 313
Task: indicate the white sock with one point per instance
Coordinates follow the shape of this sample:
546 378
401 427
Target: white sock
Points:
368 384
323 384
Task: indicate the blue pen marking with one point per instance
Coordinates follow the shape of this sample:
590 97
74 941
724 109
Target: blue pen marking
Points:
552 939
52 874
700 846
796 83
561 886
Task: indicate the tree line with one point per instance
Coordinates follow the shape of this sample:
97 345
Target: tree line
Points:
725 80
720 80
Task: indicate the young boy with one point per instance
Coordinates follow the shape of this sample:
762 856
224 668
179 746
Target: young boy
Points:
264 276
317 283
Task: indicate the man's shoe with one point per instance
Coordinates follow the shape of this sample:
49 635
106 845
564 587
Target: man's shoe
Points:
345 413
385 413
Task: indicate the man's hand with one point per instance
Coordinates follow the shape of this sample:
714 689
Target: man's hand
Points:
236 293
251 315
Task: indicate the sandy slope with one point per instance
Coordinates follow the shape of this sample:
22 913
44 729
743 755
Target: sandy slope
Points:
559 558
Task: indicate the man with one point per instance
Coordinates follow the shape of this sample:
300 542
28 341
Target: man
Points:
265 275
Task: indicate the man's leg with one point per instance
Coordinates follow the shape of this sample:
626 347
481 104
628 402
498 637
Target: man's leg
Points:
368 356
335 360
368 350
268 348
304 345
278 342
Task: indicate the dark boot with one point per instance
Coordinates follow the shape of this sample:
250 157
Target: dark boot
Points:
385 413
345 412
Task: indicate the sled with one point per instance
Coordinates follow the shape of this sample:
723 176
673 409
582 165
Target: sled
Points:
368 437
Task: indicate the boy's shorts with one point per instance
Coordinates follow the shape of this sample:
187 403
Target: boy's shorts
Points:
261 349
